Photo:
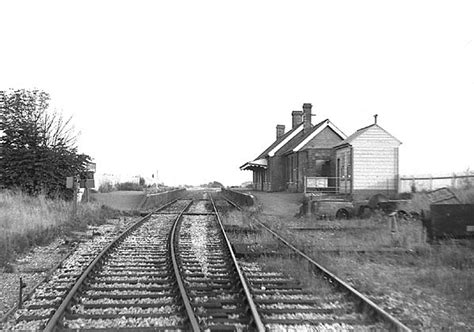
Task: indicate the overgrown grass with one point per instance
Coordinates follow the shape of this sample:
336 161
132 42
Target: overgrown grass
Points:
26 221
446 268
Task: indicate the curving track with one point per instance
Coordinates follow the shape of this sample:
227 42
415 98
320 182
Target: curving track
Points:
172 270
175 270
283 304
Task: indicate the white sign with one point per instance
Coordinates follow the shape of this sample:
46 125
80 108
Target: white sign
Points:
91 167
316 182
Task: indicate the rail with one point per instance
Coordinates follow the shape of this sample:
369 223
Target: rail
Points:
184 295
248 295
379 312
54 320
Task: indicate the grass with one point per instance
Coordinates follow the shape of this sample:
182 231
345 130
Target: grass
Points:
26 221
377 262
299 270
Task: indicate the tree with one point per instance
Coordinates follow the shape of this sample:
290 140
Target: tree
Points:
38 146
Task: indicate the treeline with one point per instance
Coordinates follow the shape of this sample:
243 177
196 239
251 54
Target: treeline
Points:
37 146
108 186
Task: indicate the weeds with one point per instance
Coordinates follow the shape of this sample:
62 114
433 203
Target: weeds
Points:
26 221
369 249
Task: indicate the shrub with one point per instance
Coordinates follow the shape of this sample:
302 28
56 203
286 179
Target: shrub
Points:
106 187
129 186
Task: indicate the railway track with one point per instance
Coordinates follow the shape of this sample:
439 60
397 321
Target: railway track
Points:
175 270
172 270
285 305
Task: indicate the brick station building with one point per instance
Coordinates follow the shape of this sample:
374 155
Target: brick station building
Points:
361 164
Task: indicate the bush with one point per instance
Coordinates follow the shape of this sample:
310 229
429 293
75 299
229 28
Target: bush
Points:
106 187
129 186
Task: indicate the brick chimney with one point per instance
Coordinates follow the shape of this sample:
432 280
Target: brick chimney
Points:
297 118
280 130
307 116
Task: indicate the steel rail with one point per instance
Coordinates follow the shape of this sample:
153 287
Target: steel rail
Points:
184 295
248 295
399 326
54 320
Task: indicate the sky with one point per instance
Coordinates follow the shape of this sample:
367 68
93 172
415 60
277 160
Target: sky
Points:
194 89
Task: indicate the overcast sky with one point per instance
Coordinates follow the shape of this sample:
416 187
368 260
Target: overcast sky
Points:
194 89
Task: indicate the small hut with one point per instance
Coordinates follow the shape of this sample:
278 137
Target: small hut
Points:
367 163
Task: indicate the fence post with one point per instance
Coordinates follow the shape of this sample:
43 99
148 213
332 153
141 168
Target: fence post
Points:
74 203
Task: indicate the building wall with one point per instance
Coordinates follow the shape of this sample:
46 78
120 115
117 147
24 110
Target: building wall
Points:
375 164
343 169
327 138
276 174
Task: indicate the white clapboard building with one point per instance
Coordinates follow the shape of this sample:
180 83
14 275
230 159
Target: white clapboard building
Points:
367 163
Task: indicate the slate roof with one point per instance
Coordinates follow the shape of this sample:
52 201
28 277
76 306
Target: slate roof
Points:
300 137
265 153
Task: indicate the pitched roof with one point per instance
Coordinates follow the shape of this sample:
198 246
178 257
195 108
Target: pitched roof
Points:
298 139
280 140
301 140
351 138
292 139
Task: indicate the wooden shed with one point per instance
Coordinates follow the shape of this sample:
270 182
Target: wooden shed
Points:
367 163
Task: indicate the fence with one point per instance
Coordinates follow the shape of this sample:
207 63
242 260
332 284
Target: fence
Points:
327 185
429 183
343 185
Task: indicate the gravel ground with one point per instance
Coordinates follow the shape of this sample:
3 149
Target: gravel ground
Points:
373 276
35 265
32 268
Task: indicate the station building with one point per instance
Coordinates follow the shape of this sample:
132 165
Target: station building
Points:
362 164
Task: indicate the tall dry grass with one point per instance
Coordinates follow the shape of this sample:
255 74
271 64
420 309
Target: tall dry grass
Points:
26 221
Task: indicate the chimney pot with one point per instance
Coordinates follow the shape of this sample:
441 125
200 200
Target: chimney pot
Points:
296 118
280 130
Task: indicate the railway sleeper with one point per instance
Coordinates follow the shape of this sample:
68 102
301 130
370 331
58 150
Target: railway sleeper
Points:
74 316
128 305
163 328
133 281
166 292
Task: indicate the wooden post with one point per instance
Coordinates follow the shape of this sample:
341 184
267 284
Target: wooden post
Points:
20 293
74 196
394 227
